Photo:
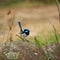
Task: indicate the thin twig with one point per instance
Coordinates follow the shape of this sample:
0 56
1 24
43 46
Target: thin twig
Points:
22 38
55 32
57 3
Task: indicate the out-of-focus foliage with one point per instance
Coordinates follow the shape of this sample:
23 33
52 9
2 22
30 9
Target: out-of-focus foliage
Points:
3 2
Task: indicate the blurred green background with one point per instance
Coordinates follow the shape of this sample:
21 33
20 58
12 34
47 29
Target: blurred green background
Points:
9 2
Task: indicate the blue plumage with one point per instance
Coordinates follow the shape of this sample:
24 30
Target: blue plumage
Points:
24 32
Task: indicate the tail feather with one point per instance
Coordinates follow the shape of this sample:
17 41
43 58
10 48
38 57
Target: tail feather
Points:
19 23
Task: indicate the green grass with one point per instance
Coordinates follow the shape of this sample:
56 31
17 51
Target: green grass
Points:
50 39
42 42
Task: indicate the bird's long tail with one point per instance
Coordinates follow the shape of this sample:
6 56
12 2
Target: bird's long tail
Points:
19 23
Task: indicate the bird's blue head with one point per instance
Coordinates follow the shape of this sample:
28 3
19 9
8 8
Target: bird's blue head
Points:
27 31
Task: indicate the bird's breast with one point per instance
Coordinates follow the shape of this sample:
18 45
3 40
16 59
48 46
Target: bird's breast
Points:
24 35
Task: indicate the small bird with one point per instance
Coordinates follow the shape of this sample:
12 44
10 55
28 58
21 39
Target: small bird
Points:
24 32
